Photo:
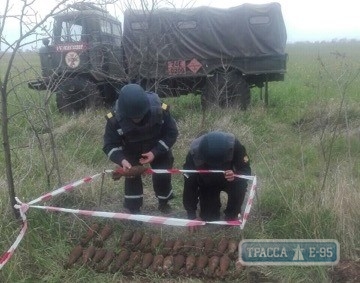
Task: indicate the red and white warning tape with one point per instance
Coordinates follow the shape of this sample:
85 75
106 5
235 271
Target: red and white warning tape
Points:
127 216
23 207
174 171
249 203
7 255
139 217
66 188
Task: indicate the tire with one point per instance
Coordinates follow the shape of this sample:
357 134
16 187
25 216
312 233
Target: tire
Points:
226 88
76 94
109 94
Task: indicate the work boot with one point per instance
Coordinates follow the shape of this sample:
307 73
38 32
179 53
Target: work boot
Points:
164 207
232 217
132 211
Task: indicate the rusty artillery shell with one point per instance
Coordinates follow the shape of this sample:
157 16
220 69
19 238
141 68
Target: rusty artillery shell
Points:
223 265
188 245
201 263
132 172
147 260
88 254
120 260
222 245
136 238
106 261
155 242
144 245
93 229
99 255
178 245
168 263
116 175
103 235
75 253
135 258
135 170
190 263
125 237
208 245
179 261
213 264
168 246
232 246
157 263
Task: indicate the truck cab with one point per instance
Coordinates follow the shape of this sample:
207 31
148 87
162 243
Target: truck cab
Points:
83 61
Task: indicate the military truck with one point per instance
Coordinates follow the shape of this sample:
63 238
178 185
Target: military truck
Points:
217 53
83 65
220 53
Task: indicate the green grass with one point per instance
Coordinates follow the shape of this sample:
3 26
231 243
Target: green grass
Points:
304 148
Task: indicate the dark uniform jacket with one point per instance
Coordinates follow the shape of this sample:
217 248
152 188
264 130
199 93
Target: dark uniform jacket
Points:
157 132
236 159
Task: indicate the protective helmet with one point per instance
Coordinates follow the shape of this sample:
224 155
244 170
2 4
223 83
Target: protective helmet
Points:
213 148
132 102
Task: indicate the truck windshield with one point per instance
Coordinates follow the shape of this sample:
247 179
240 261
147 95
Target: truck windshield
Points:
71 31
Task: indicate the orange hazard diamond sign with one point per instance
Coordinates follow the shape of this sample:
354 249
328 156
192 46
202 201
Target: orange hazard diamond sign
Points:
194 65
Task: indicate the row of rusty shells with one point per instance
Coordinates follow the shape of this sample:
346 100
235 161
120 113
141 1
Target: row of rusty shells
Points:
136 262
140 241
141 252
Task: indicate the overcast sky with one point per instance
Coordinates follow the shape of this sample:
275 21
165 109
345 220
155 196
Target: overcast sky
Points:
312 20
306 20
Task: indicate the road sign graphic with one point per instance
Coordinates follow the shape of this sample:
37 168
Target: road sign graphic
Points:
289 252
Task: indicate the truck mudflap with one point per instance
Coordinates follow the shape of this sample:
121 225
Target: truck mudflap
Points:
38 84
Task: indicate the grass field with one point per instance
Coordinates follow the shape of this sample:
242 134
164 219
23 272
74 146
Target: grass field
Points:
304 149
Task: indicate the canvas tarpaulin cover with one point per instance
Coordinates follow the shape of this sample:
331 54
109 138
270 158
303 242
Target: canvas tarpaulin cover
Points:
248 30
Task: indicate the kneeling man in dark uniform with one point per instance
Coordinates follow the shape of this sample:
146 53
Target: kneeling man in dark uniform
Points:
215 151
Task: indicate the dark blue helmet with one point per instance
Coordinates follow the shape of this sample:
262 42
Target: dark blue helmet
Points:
213 148
132 102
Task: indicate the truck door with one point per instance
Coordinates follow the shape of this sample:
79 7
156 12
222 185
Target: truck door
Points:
111 60
69 45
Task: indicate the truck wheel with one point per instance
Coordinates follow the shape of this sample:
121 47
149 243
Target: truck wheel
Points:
226 89
93 96
76 94
109 94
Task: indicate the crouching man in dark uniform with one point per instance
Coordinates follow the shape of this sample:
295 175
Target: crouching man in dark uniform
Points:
141 131
215 151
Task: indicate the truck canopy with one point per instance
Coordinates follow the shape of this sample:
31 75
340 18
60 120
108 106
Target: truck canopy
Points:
248 30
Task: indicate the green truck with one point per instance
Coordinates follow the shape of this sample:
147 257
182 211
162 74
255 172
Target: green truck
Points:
217 53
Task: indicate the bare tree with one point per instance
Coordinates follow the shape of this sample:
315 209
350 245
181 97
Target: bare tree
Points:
29 21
